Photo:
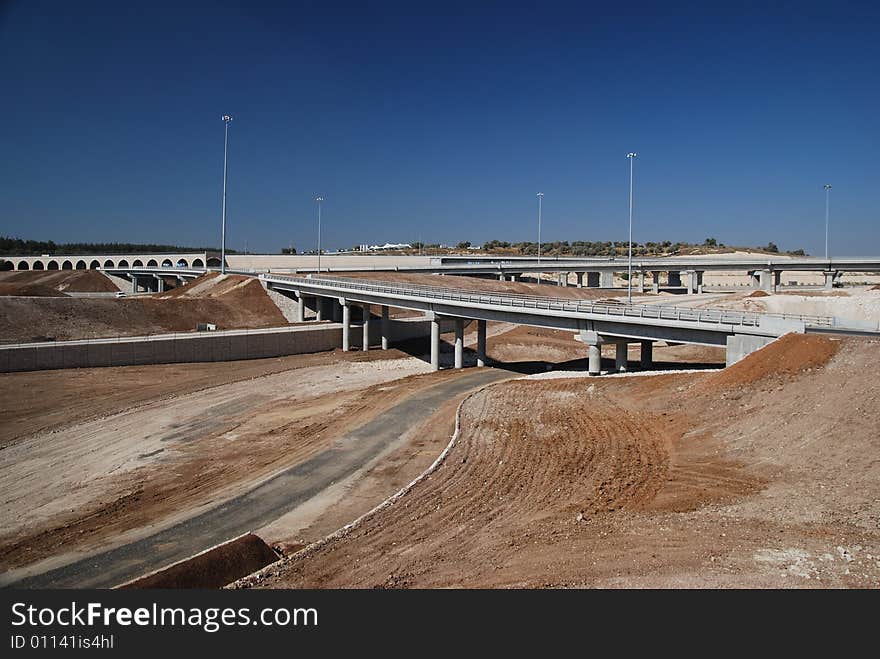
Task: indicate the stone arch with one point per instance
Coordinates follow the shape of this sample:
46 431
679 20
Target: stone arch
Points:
182 263
80 265
108 263
152 263
23 265
67 265
122 264
213 262
38 265
94 265
53 265
6 265
166 263
197 263
137 263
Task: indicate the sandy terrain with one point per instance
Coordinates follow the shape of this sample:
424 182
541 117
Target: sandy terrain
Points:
764 475
231 302
858 304
150 461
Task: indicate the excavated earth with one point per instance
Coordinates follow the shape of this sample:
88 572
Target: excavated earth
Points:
229 301
765 474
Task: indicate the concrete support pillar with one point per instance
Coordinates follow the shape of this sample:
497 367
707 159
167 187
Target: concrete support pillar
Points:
319 311
580 279
459 342
366 328
564 278
160 284
435 344
481 343
691 282
674 278
300 308
647 356
830 276
699 275
500 276
641 286
346 326
595 361
385 327
769 280
134 284
620 357
655 287
606 280
754 280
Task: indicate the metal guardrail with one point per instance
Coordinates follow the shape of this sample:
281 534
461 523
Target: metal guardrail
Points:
659 312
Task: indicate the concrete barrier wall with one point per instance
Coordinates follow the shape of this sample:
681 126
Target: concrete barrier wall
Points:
201 347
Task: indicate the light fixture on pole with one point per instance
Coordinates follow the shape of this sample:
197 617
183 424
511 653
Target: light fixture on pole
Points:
827 215
319 200
629 283
540 196
226 119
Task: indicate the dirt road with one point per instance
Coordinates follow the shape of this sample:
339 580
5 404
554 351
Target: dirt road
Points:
270 500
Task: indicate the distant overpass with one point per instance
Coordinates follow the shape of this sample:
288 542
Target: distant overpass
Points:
594 323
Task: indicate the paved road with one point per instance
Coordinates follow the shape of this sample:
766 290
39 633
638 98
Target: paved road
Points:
263 504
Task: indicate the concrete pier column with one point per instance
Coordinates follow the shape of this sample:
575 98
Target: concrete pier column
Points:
366 328
655 286
459 342
620 357
385 327
481 343
134 284
319 310
564 278
595 361
641 286
647 356
435 344
699 275
160 284
691 281
593 279
346 326
300 308
606 280
754 279
769 280
580 279
500 276
830 276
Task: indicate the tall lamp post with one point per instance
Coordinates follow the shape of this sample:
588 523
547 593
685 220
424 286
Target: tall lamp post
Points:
319 200
827 215
226 119
629 279
540 196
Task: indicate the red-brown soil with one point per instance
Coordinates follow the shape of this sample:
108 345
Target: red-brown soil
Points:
54 283
753 477
235 303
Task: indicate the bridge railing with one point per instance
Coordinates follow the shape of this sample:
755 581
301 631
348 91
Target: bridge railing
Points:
661 312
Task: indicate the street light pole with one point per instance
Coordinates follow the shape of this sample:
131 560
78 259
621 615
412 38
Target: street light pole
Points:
827 215
226 119
540 200
319 200
629 279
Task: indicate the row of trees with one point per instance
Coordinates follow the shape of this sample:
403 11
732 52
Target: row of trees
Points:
17 246
609 248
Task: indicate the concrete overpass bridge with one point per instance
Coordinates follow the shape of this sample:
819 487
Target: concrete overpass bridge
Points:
195 260
593 323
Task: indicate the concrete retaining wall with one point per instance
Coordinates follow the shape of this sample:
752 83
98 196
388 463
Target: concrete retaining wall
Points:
197 347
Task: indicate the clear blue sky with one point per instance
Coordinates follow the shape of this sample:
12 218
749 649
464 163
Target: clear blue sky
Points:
440 121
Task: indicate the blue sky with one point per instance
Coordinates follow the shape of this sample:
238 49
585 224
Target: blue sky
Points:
440 121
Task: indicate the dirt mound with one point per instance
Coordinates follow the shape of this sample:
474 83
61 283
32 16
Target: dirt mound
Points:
32 319
214 568
70 281
789 355
29 290
490 285
759 294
